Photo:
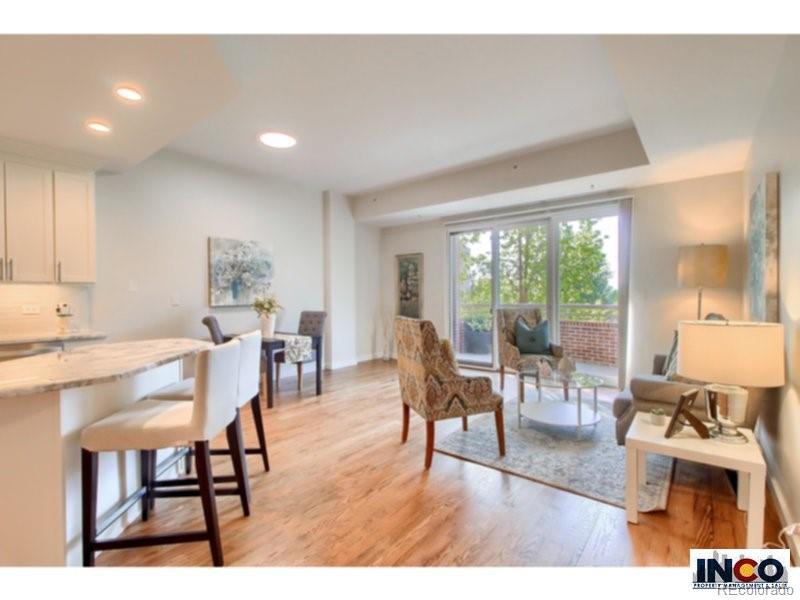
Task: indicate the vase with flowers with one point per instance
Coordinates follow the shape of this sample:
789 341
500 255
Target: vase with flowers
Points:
267 307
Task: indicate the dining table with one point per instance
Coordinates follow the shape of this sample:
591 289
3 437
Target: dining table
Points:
272 345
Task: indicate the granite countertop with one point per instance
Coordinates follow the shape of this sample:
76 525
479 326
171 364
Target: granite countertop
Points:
89 365
82 335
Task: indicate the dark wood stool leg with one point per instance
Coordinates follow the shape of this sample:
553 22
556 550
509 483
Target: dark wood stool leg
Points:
144 468
406 415
89 504
153 454
189 456
258 419
464 423
429 430
239 460
206 484
502 378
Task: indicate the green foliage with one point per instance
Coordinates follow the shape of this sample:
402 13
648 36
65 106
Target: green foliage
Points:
479 321
585 275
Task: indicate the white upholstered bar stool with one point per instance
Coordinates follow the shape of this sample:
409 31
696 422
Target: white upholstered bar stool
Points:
247 392
153 424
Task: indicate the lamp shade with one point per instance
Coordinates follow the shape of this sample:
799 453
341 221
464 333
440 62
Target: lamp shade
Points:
731 352
703 266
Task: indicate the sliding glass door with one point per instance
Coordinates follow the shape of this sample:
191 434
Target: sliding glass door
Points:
565 264
588 284
472 296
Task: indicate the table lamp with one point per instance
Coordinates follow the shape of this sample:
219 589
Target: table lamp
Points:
701 267
731 354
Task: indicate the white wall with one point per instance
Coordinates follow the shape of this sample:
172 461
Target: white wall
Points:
665 217
775 148
339 241
430 239
368 292
153 223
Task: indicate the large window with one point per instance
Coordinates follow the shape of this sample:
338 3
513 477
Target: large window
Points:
565 264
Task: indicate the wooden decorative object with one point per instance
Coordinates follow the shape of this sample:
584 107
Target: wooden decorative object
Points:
683 410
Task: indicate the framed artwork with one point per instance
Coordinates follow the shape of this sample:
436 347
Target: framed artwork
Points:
683 416
238 271
409 285
762 251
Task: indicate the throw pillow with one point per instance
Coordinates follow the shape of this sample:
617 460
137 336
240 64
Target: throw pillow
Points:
532 340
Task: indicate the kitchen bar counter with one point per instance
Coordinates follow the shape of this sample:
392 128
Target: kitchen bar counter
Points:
45 403
89 365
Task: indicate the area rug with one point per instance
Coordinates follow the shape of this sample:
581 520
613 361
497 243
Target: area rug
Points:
593 466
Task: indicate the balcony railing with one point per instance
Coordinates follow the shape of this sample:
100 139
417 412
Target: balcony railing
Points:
588 331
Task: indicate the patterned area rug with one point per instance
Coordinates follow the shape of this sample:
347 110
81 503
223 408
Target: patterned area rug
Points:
593 466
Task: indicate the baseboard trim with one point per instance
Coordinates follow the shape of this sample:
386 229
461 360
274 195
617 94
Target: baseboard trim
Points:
784 515
368 357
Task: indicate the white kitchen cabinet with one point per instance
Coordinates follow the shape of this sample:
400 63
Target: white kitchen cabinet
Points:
74 227
29 223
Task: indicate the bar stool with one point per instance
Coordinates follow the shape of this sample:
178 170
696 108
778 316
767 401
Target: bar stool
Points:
249 376
247 390
153 424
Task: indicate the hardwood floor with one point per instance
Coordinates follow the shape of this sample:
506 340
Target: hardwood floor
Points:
343 490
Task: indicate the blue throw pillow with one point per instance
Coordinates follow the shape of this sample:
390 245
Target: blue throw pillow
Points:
533 340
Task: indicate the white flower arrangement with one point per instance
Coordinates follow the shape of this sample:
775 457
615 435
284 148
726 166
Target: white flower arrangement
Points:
266 304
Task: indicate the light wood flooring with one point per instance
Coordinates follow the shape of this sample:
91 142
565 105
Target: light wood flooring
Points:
343 490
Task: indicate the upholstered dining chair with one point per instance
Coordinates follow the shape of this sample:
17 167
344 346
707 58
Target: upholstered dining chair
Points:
312 322
510 356
431 384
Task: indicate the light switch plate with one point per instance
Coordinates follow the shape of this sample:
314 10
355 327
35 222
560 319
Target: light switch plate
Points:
31 309
175 299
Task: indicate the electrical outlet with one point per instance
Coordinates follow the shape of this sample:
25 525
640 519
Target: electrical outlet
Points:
31 309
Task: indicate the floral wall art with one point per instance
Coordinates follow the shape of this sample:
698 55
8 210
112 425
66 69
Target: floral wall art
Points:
409 285
239 271
762 251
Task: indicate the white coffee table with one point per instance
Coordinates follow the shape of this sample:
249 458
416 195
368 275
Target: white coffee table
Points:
561 413
644 437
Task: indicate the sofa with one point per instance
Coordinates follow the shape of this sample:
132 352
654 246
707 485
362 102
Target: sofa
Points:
658 390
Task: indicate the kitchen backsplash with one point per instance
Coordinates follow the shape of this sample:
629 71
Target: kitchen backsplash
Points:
19 304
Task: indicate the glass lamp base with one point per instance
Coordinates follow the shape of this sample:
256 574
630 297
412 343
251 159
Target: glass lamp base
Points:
729 435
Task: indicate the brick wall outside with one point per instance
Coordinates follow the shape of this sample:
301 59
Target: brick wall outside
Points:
588 341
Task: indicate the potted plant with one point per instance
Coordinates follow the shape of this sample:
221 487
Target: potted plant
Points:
658 416
267 308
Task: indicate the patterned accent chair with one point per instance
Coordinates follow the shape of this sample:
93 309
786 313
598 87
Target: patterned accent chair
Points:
312 322
431 384
510 357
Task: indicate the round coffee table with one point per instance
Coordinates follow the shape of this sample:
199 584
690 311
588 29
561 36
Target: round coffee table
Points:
561 413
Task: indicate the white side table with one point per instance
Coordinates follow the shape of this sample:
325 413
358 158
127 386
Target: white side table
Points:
643 437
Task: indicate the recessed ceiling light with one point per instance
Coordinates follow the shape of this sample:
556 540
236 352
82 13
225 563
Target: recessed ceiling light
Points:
129 93
98 126
273 139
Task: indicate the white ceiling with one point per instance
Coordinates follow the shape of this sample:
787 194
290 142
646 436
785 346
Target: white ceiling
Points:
373 110
51 85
